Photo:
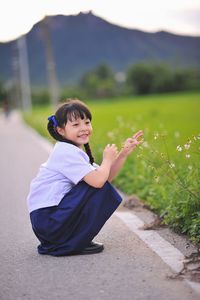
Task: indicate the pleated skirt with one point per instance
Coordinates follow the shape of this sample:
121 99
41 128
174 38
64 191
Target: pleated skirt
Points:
70 226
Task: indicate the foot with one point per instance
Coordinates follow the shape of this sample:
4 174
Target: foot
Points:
92 248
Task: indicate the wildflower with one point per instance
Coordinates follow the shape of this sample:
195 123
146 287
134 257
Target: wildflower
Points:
179 148
172 165
145 145
187 146
110 134
190 167
198 136
151 192
177 134
156 135
187 155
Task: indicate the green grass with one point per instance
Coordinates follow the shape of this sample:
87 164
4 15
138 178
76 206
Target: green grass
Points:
174 119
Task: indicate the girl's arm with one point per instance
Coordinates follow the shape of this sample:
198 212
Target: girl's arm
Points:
129 145
97 178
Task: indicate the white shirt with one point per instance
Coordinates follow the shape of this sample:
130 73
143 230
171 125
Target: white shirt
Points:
65 167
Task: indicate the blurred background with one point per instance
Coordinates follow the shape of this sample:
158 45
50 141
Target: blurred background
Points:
96 49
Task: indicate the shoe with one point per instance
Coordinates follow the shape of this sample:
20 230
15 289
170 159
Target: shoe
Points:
92 248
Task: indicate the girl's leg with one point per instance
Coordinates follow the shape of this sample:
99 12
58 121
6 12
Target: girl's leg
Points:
77 219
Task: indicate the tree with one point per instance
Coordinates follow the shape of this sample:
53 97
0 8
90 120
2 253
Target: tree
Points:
2 92
99 82
158 78
140 78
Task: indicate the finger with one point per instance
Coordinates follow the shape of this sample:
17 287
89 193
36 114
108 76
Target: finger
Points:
138 134
139 142
136 143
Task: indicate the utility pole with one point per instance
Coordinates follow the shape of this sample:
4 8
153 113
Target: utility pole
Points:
53 83
24 74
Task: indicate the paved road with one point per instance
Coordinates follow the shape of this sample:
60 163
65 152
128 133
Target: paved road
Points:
126 270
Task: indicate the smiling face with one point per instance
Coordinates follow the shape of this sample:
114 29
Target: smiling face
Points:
77 130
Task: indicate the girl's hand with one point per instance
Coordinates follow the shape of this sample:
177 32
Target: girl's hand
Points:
131 143
110 153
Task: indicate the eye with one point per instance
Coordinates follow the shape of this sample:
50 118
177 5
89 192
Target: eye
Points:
87 122
75 125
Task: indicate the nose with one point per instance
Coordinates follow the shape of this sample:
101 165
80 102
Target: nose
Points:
84 127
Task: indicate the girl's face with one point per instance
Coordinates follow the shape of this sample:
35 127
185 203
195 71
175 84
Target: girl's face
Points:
77 130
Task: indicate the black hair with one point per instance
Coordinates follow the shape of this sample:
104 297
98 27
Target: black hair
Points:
72 108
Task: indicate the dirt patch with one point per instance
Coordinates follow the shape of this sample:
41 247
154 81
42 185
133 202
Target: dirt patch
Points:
191 268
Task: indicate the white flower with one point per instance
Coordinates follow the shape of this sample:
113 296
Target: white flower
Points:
187 155
162 155
172 165
145 145
156 135
110 134
179 148
187 146
190 167
198 136
151 192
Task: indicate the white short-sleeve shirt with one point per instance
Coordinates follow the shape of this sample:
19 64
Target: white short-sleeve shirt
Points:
65 167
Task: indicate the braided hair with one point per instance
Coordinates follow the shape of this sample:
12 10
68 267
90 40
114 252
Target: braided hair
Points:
72 108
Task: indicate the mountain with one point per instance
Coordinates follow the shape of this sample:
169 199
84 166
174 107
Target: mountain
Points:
84 41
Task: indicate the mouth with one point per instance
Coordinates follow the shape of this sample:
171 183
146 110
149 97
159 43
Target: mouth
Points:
83 136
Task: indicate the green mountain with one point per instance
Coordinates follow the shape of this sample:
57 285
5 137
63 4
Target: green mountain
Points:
82 42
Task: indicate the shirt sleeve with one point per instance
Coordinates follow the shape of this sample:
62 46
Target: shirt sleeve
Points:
72 162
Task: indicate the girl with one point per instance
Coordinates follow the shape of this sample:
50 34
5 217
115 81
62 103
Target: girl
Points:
71 197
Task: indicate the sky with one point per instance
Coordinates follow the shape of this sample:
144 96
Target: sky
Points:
177 16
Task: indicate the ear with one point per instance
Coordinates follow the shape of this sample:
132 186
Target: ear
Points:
60 130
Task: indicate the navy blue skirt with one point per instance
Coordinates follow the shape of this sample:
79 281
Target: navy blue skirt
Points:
71 225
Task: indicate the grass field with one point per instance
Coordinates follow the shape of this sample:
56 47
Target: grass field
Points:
167 179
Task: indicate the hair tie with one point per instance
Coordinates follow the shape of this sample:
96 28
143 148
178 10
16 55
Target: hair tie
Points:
53 119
